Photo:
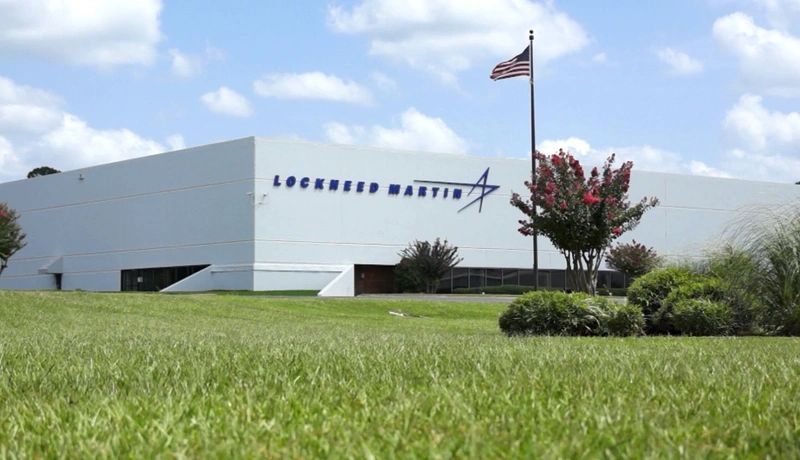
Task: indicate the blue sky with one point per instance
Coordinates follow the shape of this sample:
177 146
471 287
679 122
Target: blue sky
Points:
705 87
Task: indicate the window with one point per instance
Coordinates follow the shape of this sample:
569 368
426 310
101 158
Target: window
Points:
156 279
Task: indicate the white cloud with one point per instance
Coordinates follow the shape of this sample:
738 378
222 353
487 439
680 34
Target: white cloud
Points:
184 65
751 123
84 32
445 37
767 147
769 59
383 81
226 101
600 58
175 142
679 62
28 117
339 133
698 168
767 141
417 131
24 109
9 162
48 135
644 158
763 166
779 12
87 145
312 85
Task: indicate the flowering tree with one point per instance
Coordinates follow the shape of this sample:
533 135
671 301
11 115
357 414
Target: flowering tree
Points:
581 216
11 237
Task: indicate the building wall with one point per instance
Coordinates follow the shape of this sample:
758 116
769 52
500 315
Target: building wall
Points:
189 207
337 227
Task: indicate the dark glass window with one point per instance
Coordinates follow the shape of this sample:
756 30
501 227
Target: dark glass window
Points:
156 279
616 279
494 277
444 283
558 279
510 277
476 277
526 278
544 278
460 278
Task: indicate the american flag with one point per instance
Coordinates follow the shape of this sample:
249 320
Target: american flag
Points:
517 66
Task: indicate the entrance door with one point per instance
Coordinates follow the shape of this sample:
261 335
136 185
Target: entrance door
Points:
374 279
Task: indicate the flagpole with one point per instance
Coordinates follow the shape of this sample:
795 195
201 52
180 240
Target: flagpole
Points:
533 166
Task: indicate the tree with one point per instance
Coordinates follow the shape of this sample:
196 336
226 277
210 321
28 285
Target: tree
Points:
11 237
632 259
428 262
581 216
42 171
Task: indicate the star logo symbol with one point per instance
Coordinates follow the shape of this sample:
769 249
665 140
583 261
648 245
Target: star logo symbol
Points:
482 186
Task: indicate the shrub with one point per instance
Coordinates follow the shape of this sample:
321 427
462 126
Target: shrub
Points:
588 315
736 271
772 242
578 314
407 279
632 259
702 317
698 287
536 313
625 320
428 262
649 291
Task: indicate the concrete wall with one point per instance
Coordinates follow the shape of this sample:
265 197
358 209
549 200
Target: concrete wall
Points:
188 207
338 227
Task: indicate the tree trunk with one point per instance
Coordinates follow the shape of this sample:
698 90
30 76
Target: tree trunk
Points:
582 270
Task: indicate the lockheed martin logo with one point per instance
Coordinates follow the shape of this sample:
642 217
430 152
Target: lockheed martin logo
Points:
484 188
432 189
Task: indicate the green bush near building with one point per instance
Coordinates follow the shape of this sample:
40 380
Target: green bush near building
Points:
576 314
649 291
702 317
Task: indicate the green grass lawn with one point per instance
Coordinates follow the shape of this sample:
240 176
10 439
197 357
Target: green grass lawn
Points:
108 375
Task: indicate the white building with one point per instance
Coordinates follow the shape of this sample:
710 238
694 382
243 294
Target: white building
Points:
262 214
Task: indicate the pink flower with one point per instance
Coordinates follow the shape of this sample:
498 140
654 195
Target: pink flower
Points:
590 199
556 160
549 200
562 205
617 231
550 187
